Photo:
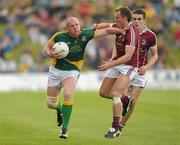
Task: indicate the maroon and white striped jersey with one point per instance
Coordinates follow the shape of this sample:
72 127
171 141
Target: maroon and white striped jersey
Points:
130 38
147 40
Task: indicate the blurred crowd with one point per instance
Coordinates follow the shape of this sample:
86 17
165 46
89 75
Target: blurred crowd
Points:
26 25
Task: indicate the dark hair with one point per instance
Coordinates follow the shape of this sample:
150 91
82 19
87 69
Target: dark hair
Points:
125 12
140 12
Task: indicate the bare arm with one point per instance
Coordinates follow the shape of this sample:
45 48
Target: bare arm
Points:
48 48
151 62
102 25
129 51
107 31
113 53
153 58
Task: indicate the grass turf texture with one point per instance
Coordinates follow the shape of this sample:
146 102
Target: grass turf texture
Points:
25 120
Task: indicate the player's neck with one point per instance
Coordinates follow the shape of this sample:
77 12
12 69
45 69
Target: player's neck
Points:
74 36
141 29
122 25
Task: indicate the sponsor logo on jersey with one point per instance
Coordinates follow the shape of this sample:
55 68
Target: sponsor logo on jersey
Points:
143 42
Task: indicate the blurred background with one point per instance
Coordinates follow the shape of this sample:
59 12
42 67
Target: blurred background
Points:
26 25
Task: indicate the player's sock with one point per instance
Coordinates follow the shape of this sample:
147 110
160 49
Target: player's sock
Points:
115 123
125 103
125 99
66 110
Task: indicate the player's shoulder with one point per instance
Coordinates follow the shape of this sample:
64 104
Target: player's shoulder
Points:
150 32
87 30
60 33
133 31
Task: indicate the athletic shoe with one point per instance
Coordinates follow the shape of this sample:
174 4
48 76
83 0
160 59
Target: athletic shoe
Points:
125 104
121 126
63 133
59 118
112 133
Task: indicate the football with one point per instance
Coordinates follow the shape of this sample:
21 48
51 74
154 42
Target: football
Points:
61 47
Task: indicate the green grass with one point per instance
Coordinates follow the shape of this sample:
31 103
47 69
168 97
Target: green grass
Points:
25 120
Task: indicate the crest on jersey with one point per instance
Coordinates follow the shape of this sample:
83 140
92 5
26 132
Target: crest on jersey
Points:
121 37
84 38
143 42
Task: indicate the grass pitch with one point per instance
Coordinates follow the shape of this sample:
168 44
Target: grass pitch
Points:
25 120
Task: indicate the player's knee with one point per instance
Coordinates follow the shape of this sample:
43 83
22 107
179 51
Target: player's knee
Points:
116 100
115 93
104 95
52 102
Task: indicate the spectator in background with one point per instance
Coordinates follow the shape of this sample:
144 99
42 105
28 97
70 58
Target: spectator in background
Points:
10 40
176 35
26 62
34 30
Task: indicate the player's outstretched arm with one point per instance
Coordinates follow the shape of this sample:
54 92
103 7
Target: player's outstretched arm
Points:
102 25
107 31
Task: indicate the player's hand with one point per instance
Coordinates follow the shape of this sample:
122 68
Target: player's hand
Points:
94 26
142 70
50 52
58 55
104 66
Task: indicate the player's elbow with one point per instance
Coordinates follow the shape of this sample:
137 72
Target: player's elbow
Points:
156 57
128 57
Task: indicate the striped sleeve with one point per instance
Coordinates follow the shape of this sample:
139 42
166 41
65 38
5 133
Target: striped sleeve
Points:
131 37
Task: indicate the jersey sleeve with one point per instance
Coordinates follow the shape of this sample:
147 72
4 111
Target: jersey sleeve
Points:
130 37
153 40
55 38
89 33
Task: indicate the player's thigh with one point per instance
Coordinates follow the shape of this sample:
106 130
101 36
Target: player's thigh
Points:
126 91
107 85
69 85
53 91
120 85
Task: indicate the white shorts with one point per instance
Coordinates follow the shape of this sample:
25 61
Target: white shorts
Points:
56 76
122 69
139 81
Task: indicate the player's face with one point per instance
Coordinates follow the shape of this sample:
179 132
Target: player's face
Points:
138 21
73 27
120 21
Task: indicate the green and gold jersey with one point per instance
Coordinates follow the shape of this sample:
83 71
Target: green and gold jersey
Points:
75 59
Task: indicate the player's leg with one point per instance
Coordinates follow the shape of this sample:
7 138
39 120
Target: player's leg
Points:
69 84
138 83
125 99
106 87
53 90
52 97
117 92
135 93
109 80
